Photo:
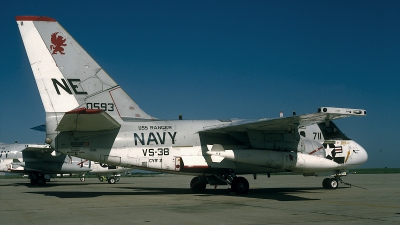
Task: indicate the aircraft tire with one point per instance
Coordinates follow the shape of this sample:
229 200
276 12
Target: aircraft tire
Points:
33 181
111 180
333 184
240 185
101 179
196 185
82 179
41 181
325 183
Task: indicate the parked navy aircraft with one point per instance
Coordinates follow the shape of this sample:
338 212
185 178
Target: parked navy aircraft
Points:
38 161
41 163
104 172
90 116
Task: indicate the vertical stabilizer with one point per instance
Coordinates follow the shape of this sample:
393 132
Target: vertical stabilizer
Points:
67 77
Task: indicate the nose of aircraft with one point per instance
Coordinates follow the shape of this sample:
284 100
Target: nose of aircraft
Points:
359 155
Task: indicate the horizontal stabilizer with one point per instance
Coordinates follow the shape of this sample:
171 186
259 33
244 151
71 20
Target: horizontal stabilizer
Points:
83 119
41 128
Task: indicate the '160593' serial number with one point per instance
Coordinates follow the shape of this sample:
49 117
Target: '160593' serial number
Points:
102 106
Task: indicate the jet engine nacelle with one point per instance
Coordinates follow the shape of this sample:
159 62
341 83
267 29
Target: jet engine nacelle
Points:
293 161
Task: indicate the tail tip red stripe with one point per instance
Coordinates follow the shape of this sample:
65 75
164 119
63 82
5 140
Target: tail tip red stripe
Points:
34 18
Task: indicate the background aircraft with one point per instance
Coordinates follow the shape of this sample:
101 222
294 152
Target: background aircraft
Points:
90 116
38 161
104 172
41 163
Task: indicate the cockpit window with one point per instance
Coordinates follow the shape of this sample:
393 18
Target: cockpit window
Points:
332 132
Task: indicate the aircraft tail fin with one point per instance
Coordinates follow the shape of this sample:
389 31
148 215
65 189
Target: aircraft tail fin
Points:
67 77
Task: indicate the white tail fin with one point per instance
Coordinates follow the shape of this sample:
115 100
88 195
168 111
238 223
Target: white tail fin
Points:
67 77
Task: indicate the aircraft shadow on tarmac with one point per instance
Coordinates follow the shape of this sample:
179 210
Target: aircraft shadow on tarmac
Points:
278 194
48 184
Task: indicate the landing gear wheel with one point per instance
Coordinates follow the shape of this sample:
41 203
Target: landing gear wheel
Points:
33 181
333 184
111 180
240 185
325 183
82 179
101 179
41 181
330 183
196 185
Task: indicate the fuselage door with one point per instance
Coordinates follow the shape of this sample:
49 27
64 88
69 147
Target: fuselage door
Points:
178 163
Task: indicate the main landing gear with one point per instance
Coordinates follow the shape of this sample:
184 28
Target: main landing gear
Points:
37 178
239 185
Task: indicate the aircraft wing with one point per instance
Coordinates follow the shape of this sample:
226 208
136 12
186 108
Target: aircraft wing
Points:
83 119
324 114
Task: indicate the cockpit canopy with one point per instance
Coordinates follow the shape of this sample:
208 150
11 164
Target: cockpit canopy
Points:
332 132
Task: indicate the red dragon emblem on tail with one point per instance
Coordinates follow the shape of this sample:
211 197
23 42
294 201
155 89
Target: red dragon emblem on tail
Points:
57 44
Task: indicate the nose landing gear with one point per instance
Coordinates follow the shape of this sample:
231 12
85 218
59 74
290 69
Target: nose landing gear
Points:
330 183
333 183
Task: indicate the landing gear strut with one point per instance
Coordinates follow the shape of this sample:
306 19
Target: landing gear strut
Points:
239 185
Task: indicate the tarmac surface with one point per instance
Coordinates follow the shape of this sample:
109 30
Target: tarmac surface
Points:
166 199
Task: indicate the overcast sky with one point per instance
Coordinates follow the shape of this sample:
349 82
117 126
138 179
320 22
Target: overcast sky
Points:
225 59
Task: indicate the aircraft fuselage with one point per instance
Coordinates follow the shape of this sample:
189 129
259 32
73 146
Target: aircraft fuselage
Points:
181 146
